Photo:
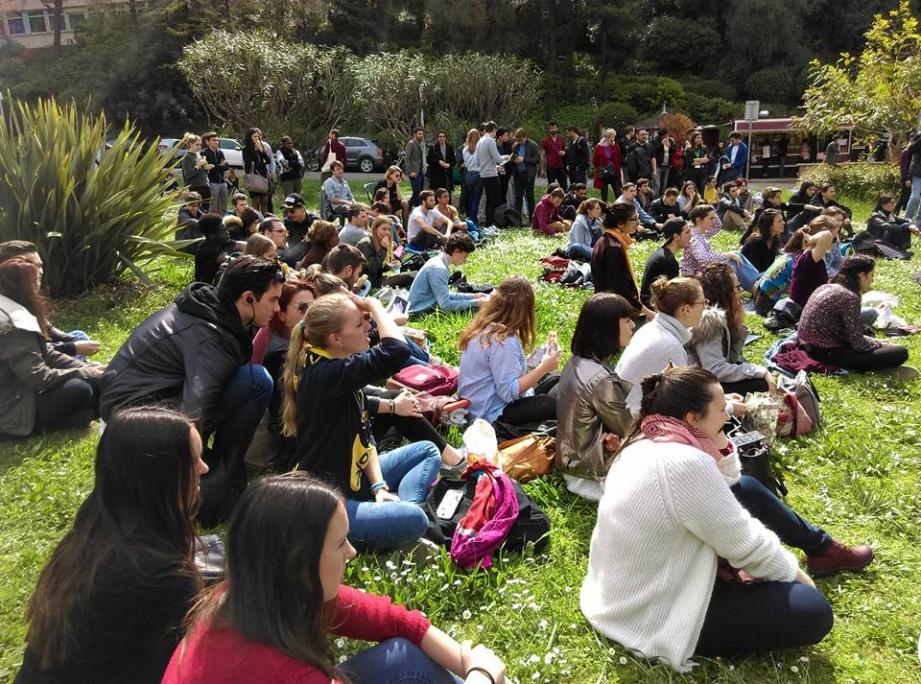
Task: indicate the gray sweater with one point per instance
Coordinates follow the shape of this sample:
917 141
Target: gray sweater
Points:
711 347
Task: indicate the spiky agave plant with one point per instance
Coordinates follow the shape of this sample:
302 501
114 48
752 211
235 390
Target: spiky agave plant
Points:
93 212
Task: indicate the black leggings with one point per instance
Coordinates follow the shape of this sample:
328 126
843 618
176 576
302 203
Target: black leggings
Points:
69 406
743 387
534 409
887 356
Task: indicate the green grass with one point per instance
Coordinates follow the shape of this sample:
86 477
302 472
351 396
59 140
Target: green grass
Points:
857 477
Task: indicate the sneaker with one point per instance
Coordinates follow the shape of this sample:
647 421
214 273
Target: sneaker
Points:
838 557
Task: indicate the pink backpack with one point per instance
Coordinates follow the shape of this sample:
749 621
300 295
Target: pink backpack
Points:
436 380
487 522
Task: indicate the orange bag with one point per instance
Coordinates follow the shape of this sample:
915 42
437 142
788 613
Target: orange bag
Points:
527 457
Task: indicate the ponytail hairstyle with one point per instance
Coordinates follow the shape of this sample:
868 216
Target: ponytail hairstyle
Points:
675 392
852 267
670 295
325 316
797 241
189 139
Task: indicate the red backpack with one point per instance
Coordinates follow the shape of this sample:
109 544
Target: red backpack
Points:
436 380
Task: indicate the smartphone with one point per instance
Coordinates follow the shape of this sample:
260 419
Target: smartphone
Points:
449 503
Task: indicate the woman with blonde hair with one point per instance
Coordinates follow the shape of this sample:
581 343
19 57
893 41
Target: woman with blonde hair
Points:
195 168
473 184
393 176
494 374
327 409
378 250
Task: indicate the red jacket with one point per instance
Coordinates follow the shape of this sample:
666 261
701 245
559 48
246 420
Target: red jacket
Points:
600 160
338 150
545 214
223 655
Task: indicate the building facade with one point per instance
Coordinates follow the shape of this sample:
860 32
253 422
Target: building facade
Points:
30 23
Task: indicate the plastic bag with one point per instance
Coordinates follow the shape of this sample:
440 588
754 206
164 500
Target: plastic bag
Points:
762 411
481 443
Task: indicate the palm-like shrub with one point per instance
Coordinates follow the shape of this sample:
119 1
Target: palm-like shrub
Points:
92 211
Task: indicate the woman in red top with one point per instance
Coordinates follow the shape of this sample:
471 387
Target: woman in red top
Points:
607 164
270 620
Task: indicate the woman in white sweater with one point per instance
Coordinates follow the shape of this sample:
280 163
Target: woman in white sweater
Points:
655 580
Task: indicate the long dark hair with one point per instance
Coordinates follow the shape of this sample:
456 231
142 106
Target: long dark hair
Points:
248 140
140 509
765 223
273 594
597 334
853 266
19 282
674 392
720 290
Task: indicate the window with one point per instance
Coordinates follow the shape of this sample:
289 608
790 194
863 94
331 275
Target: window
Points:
2 25
74 19
52 21
37 23
228 144
352 142
16 24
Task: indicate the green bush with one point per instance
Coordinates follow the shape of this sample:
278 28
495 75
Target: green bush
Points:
863 180
92 212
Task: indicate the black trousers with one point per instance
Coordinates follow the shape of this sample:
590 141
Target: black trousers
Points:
536 408
493 189
389 431
557 176
887 356
614 184
69 406
743 387
524 189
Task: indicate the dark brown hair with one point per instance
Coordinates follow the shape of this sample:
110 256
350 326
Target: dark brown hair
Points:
19 282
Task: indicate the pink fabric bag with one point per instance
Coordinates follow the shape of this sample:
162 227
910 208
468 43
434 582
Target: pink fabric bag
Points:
436 380
478 535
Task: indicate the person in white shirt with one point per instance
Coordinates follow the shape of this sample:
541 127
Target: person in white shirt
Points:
428 228
656 582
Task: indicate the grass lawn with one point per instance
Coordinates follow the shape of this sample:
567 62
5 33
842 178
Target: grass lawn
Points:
857 477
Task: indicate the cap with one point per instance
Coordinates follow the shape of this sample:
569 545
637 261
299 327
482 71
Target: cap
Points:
673 227
293 201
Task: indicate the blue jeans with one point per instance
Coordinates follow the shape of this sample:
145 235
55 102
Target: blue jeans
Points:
241 407
396 661
746 273
472 230
913 211
791 529
474 193
579 251
409 472
416 184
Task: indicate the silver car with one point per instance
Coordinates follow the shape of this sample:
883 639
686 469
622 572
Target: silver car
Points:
363 154
232 150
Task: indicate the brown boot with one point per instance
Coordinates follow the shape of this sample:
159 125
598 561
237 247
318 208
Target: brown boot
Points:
838 557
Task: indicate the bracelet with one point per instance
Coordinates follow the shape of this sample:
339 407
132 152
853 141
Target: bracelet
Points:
482 670
393 407
379 485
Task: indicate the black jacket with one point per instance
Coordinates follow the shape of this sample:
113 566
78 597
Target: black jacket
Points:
186 352
578 155
440 177
661 212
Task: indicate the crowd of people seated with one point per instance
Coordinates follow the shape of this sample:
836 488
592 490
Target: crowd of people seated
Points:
279 350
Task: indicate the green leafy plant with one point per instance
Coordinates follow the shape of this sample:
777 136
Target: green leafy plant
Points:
93 212
862 180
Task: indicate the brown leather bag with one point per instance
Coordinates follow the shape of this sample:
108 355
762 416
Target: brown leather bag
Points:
527 457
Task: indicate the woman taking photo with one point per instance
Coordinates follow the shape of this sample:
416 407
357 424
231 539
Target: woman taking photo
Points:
271 620
393 176
830 329
43 389
378 251
718 340
256 163
494 374
328 366
761 248
671 483
592 414
195 168
109 605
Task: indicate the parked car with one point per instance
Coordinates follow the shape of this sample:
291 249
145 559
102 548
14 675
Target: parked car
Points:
364 154
232 150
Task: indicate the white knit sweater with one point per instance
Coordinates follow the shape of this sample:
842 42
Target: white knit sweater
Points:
653 347
666 515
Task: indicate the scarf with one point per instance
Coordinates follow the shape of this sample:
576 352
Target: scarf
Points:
625 242
659 428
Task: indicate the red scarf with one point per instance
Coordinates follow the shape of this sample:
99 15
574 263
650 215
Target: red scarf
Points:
659 428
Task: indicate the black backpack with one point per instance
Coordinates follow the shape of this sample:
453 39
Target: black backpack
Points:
532 524
506 217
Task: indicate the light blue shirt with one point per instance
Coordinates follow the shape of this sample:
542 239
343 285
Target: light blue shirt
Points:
489 375
487 154
584 231
338 188
430 289
470 160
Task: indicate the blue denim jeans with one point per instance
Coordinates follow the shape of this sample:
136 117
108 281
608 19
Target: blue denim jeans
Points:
417 184
579 251
913 210
474 193
791 529
409 472
396 661
746 273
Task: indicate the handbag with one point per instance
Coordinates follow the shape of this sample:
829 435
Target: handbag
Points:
805 392
608 173
755 457
436 380
255 182
528 456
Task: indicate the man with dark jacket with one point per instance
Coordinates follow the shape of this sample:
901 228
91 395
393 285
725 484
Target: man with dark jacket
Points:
414 164
298 221
640 161
578 156
524 161
913 211
215 248
194 354
666 207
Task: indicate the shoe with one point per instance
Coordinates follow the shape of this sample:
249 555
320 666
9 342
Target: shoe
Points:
838 557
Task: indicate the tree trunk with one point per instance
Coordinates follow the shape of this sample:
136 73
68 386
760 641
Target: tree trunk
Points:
58 19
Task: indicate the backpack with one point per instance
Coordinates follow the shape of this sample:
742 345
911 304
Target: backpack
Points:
806 395
506 217
785 314
489 519
436 380
554 268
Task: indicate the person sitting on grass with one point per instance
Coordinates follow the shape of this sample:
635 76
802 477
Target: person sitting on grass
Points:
326 408
346 263
427 227
443 205
809 271
648 226
704 225
43 389
666 207
585 230
775 281
494 373
259 245
546 218
378 251
429 289
321 238
762 247
109 605
711 193
195 354
591 411
356 225
825 198
676 482
831 326
730 210
662 262
272 618
336 193
718 340
886 226
612 270
214 250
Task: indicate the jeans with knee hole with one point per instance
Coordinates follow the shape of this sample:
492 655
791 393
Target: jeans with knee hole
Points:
396 661
409 473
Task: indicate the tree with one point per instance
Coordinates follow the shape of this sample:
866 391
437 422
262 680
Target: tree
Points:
878 91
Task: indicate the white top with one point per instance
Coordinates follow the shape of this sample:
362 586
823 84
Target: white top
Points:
652 348
488 157
665 517
428 218
470 160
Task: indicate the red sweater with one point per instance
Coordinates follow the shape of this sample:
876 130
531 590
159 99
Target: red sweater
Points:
223 655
